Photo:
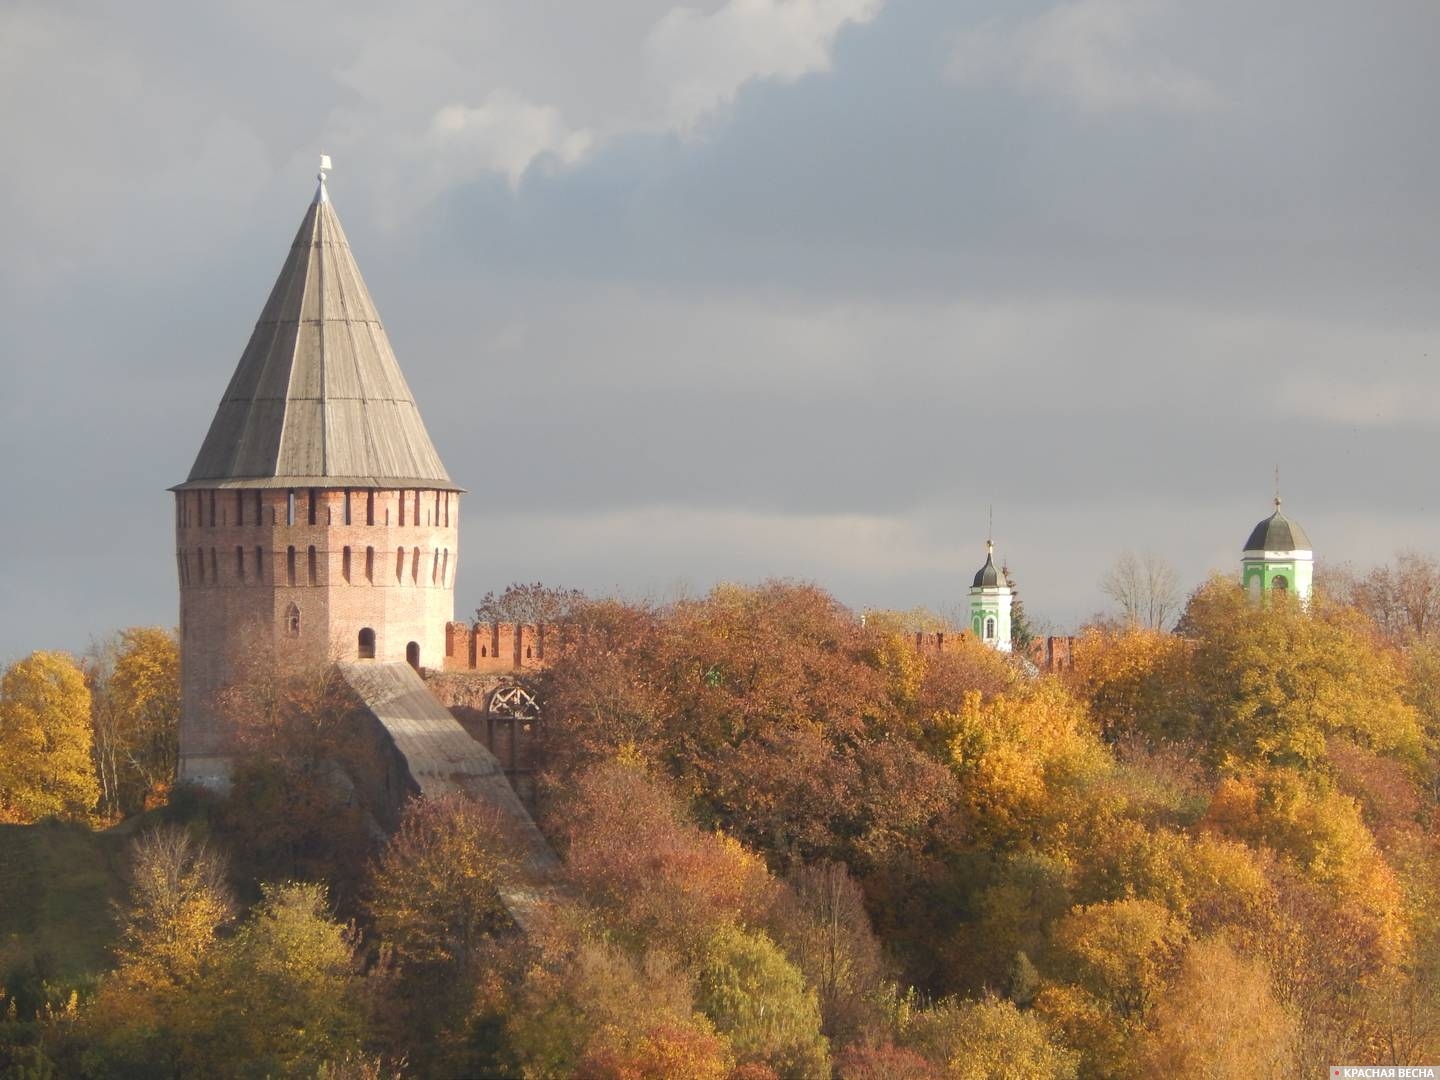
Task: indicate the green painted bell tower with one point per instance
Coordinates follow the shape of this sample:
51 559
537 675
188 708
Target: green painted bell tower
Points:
1277 558
990 599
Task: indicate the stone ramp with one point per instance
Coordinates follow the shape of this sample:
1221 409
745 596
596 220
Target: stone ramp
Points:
442 759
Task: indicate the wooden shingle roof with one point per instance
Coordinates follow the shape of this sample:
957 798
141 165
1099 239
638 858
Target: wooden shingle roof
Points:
318 399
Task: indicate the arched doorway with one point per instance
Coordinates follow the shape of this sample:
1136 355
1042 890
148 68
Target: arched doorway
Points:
412 655
367 644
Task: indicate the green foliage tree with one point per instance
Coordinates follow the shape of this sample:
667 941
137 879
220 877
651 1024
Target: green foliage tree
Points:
1022 634
282 997
45 764
759 1000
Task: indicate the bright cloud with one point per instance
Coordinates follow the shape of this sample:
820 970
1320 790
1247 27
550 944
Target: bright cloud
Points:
506 134
1097 54
702 60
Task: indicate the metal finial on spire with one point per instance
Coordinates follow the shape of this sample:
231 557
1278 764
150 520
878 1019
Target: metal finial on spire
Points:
321 195
990 530
1277 488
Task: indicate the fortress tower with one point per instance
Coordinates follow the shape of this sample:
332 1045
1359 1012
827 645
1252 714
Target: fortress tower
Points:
318 523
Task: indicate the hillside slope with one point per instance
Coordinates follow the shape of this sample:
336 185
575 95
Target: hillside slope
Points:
58 888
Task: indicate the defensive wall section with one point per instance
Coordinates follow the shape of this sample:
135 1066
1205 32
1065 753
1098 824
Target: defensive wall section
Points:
506 648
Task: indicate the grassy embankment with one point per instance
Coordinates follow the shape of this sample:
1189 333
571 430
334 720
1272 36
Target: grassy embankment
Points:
58 888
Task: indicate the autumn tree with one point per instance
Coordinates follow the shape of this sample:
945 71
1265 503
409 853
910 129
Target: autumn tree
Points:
767 707
758 999
1021 761
1128 677
281 996
655 877
1115 960
295 809
533 604
135 686
1402 599
179 902
45 763
884 1061
1145 587
180 898
586 1007
435 888
989 1039
1272 683
821 922
434 901
1220 1018
1123 951
1323 834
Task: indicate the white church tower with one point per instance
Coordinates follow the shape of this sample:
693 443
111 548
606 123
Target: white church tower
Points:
990 600
1278 558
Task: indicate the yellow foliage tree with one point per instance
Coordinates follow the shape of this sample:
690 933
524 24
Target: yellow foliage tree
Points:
988 1039
281 996
1123 952
45 764
1270 684
179 900
136 686
1322 833
1126 678
1116 959
1020 760
1220 1018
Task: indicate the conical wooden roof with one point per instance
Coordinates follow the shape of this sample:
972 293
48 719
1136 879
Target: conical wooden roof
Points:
318 399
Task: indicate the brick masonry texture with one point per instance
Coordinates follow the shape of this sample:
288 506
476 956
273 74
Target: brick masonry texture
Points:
252 600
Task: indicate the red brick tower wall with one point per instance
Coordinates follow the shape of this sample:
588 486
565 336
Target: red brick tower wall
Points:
389 569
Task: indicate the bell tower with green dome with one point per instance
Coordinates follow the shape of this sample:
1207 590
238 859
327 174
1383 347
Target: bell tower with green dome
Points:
1277 558
990 598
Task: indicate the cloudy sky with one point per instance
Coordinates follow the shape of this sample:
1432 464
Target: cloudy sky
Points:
734 289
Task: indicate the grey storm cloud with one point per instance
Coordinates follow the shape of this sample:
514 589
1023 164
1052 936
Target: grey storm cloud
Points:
691 292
